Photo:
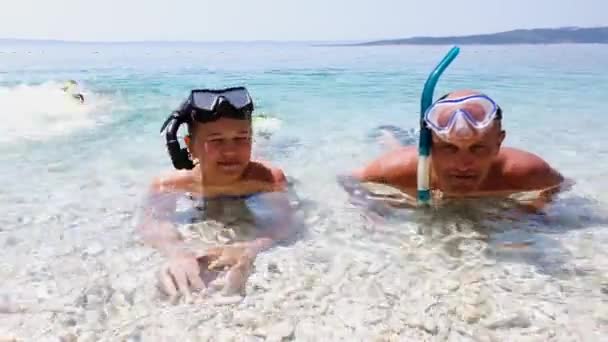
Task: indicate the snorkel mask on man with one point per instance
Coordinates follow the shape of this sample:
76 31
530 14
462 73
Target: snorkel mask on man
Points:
203 106
467 139
463 117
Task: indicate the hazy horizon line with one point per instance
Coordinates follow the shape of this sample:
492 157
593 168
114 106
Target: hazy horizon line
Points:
190 41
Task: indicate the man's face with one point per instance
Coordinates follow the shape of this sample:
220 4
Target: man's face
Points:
462 165
223 148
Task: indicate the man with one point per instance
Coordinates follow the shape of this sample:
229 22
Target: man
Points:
467 158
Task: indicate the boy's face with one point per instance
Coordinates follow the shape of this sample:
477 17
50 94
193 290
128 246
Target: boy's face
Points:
223 148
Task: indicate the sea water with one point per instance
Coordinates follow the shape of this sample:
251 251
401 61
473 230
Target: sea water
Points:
73 176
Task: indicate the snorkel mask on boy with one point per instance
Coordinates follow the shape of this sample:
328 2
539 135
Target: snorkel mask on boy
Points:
463 117
204 105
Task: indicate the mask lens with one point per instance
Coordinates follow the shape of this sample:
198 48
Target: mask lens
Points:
207 100
204 100
239 98
441 114
478 110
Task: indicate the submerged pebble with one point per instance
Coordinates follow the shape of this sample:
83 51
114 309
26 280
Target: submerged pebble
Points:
517 320
374 316
306 330
8 305
280 331
245 319
68 338
227 300
481 334
94 249
11 241
601 314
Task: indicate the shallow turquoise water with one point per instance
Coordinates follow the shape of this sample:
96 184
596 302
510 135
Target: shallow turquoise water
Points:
329 98
80 172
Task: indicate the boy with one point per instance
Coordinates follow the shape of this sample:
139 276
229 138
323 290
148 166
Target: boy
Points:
216 164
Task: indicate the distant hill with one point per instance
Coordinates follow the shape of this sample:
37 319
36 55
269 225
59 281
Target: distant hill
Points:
30 41
563 35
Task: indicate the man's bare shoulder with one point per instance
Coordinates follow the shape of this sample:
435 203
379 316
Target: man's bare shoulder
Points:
517 162
397 167
528 171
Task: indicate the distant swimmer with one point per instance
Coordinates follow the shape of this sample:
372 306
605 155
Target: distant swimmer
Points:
266 125
71 87
78 97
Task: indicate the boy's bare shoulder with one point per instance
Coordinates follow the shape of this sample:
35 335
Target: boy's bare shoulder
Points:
264 172
177 180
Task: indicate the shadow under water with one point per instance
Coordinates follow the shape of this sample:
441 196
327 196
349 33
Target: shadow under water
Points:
232 219
499 227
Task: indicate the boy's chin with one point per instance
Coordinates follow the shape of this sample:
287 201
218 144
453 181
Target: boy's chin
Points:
230 169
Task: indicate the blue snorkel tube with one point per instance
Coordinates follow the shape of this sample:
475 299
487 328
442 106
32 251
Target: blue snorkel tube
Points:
424 144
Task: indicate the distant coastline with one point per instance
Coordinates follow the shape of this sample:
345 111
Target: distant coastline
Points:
563 35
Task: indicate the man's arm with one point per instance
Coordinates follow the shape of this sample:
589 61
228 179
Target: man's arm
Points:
529 172
396 169
526 171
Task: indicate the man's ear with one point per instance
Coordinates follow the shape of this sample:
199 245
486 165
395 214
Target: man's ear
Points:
501 137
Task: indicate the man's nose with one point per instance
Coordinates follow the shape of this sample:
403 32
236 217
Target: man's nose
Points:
462 129
465 161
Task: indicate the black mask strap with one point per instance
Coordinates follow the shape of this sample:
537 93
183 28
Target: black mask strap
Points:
179 156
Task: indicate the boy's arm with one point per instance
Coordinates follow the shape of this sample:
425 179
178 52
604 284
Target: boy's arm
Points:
273 213
155 227
274 220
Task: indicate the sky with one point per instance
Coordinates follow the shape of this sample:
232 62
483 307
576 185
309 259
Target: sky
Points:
285 20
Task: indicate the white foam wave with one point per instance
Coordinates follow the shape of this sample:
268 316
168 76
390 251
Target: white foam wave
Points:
266 125
39 112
